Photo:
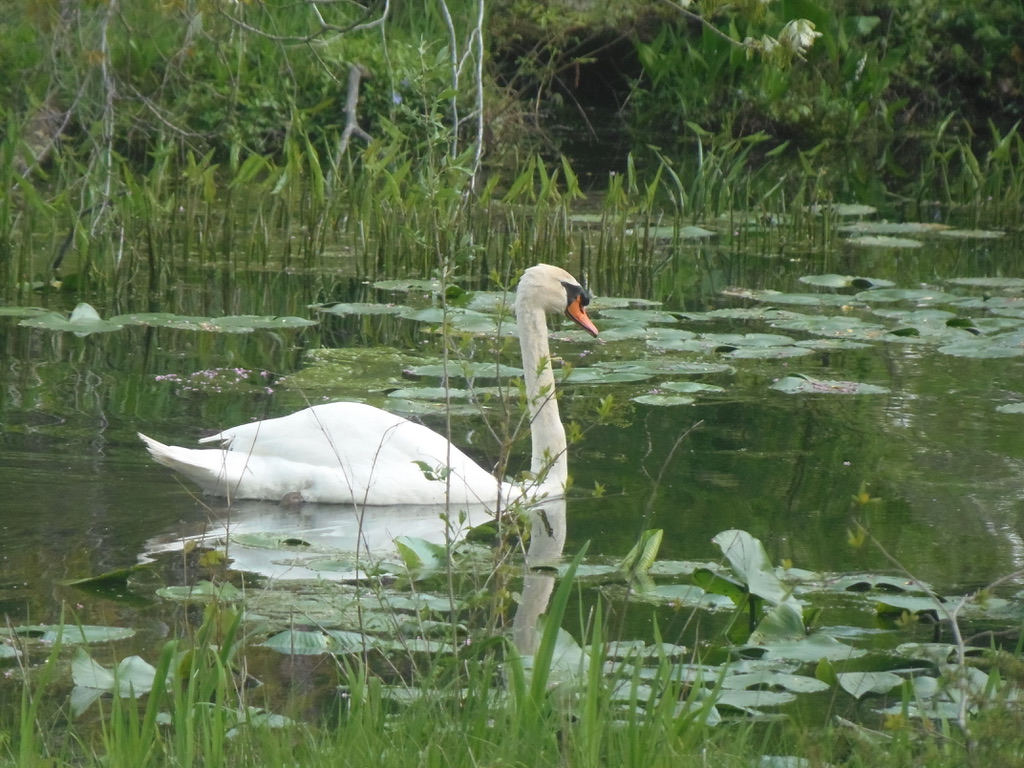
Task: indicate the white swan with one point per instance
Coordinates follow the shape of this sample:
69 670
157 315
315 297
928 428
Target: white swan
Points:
352 453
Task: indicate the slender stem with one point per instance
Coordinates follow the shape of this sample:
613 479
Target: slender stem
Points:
453 62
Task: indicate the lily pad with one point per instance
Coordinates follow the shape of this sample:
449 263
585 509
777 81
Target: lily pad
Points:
985 347
298 642
409 286
132 677
917 295
749 561
245 323
601 303
833 326
770 353
847 209
807 385
917 316
201 591
769 678
887 604
23 311
751 701
860 684
163 320
666 366
83 321
599 376
884 241
695 345
690 386
693 232
997 283
800 299
664 400
892 227
973 234
459 319
492 302
465 370
766 314
642 333
845 281
831 344
669 232
362 309
810 649
69 633
866 582
440 393
639 316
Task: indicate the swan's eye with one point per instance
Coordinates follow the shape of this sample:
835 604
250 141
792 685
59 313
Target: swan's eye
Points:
574 292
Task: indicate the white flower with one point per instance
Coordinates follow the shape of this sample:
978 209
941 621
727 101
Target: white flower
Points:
798 36
764 45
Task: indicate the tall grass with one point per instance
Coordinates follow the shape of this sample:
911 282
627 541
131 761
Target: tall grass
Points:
492 708
489 705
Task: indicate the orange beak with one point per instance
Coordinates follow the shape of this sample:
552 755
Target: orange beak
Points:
578 315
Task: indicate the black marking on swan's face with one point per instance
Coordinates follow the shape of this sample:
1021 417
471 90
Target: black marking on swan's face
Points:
576 301
574 292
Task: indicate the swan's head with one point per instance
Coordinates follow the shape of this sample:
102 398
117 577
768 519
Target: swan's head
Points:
554 290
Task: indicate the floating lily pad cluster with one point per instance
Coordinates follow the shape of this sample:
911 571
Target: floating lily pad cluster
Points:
85 320
774 656
890 234
974 317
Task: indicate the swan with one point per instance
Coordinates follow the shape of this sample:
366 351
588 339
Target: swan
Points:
353 453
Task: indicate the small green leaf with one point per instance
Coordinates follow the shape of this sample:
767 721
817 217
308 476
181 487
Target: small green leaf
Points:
201 591
419 554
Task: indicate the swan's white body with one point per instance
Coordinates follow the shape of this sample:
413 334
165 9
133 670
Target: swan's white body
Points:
352 453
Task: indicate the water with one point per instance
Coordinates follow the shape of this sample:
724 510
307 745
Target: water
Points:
81 496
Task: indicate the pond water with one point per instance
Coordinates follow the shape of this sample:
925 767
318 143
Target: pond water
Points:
907 371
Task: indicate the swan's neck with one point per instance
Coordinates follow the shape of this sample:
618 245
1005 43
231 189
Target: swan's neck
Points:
547 434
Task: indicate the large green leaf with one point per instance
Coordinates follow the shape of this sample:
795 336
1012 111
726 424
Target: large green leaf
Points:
750 562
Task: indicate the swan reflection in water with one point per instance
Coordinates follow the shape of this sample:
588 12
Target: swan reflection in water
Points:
317 542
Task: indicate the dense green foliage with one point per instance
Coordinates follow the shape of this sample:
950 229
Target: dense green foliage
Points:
146 79
877 71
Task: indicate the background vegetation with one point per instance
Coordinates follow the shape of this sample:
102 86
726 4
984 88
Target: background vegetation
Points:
146 80
140 136
152 147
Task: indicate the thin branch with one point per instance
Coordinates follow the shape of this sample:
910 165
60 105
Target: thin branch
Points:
477 42
453 63
704 23
355 75
324 26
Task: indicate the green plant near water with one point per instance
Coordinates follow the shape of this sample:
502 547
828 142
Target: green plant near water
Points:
590 705
222 179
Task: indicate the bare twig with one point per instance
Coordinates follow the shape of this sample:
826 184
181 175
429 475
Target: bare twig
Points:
704 23
355 75
323 29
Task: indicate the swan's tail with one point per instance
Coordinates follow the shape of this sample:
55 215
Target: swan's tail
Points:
206 468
